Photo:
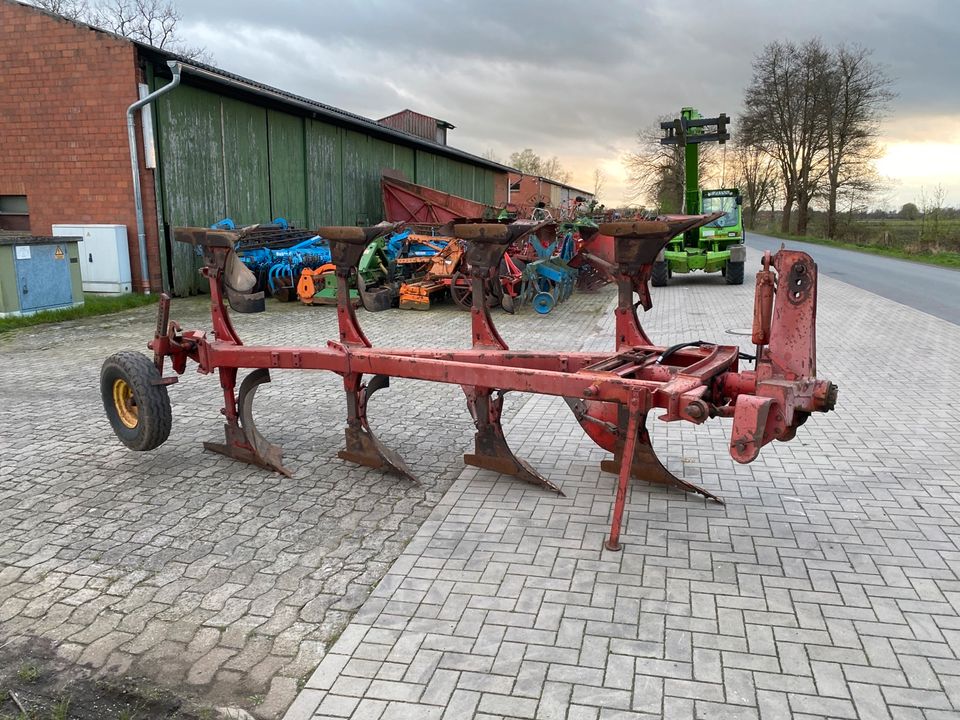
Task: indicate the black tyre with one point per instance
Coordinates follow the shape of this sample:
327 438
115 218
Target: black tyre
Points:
734 273
660 273
138 409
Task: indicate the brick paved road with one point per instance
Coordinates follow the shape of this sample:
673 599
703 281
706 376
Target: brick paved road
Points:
826 587
211 577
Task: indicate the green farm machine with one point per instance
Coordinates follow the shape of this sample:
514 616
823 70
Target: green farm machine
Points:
719 245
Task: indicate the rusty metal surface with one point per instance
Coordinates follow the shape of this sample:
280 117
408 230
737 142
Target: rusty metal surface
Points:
763 305
243 440
637 242
491 450
343 234
362 445
483 232
795 353
404 201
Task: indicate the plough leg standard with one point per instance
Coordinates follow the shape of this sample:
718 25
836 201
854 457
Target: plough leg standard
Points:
610 394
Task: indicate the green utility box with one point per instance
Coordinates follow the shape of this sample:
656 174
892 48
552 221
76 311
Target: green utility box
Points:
38 273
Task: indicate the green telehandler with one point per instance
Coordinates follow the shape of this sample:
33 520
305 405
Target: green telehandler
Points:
718 246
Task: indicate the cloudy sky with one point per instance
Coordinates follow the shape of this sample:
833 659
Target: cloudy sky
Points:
577 79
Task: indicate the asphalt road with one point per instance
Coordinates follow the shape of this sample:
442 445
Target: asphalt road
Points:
932 289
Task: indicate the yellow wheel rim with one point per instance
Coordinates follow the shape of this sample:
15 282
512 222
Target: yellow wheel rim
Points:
125 403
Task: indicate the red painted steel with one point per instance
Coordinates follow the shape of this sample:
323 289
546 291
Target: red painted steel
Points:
610 394
404 201
763 303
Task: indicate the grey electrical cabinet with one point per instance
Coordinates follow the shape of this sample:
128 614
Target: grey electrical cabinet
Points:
39 273
104 257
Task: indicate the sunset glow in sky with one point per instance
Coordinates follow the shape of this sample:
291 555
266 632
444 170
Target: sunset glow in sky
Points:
578 81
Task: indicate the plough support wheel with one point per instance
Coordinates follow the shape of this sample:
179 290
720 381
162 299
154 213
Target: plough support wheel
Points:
137 405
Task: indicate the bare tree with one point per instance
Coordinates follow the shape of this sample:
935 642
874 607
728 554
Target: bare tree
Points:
73 9
553 170
858 97
933 206
599 178
755 173
785 110
526 161
655 172
491 155
152 22
529 163
859 186
922 238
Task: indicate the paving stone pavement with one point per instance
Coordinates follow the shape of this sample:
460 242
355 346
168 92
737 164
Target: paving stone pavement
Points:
826 587
208 576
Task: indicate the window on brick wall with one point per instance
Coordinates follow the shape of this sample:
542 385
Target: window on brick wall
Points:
14 214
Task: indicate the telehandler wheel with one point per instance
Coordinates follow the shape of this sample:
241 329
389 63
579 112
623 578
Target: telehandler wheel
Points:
138 409
659 274
734 273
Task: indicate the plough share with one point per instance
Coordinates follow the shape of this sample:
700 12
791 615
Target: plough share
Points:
610 394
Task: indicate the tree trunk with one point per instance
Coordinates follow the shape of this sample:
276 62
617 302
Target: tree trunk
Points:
785 215
832 213
803 214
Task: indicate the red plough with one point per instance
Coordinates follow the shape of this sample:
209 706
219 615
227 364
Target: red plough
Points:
610 394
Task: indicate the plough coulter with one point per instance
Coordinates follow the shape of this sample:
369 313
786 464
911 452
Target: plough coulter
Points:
610 393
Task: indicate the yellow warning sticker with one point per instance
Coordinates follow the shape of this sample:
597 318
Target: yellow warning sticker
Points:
58 253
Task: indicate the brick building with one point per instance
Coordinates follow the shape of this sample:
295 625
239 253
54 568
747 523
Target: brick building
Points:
218 145
526 191
429 128
64 90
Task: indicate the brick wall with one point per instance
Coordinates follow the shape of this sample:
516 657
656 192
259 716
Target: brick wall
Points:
64 90
533 190
501 183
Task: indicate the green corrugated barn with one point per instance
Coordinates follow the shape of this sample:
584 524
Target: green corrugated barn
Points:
229 147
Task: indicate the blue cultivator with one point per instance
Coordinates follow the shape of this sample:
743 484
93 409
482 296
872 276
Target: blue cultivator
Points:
394 244
548 280
276 253
287 264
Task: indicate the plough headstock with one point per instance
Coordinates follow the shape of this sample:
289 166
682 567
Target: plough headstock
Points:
610 394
